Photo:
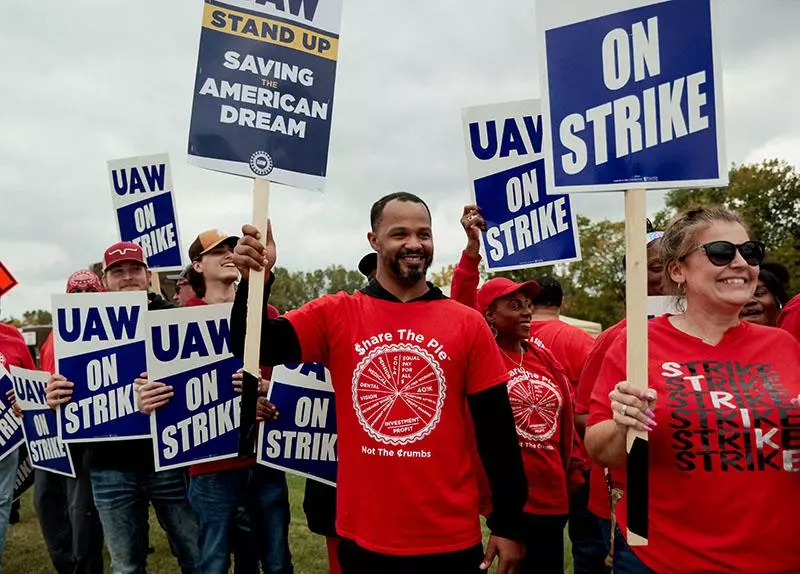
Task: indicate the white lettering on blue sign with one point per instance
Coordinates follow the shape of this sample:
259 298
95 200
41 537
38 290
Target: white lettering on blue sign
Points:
640 121
201 428
99 409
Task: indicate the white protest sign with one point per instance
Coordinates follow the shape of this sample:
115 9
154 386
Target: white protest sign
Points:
525 227
144 203
99 344
189 350
39 423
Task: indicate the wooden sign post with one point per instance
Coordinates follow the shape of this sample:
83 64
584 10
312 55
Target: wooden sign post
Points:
255 311
636 368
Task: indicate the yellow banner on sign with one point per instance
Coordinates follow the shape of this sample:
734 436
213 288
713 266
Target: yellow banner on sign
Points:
271 31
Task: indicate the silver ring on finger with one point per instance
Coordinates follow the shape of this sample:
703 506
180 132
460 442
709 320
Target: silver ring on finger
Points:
623 409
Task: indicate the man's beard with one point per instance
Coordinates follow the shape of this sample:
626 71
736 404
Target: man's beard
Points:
409 277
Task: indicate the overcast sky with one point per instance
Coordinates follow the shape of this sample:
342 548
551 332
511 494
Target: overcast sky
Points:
88 81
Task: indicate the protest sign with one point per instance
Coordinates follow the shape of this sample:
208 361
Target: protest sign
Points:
24 478
7 281
99 344
189 349
524 226
631 94
263 98
302 440
39 424
144 202
11 435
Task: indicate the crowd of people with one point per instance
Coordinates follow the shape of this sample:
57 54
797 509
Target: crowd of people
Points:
480 403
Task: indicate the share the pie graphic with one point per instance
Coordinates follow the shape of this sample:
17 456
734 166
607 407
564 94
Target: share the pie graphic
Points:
398 393
536 403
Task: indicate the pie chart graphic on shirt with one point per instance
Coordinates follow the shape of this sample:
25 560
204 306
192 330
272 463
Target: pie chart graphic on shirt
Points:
398 393
536 403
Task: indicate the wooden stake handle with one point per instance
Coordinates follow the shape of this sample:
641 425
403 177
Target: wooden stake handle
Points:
252 340
636 314
255 294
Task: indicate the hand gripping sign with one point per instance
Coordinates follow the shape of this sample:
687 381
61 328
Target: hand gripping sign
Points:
144 202
11 434
632 99
39 423
302 440
99 343
525 227
189 350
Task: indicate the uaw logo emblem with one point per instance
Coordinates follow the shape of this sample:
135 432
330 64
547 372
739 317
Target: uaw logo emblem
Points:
261 163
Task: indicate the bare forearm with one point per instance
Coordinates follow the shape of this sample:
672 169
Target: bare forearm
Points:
605 443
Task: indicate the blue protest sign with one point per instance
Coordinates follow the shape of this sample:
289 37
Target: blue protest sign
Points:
11 434
632 95
302 440
524 226
144 203
99 344
263 98
39 423
189 349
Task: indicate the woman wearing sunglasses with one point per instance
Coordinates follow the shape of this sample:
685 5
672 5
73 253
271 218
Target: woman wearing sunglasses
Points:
724 435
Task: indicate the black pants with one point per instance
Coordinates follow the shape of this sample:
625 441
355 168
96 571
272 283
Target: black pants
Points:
356 560
69 521
544 544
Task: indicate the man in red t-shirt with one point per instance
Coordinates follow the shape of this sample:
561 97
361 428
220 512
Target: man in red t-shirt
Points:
13 351
405 363
241 506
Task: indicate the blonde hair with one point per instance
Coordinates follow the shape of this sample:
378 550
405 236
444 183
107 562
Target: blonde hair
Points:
679 236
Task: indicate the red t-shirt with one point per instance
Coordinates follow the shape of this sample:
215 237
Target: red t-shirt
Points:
568 343
725 457
228 463
401 373
13 350
542 405
599 503
789 318
47 357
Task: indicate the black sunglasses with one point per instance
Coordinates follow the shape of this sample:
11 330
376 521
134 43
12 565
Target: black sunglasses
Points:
721 253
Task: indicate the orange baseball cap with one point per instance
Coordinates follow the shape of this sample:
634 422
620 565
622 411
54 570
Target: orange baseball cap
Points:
208 240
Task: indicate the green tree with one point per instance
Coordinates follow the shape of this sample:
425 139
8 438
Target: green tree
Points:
295 288
37 317
767 196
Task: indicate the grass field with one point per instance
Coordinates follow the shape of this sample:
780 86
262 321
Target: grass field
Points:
26 553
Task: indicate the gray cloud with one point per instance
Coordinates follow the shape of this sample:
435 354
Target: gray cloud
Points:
89 81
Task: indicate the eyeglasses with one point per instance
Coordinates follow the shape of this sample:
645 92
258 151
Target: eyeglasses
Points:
721 253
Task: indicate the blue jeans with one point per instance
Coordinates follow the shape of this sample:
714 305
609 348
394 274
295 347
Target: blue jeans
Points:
625 561
262 491
590 542
122 499
8 476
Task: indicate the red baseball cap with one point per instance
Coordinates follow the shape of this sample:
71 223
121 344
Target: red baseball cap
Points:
85 280
123 251
499 287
